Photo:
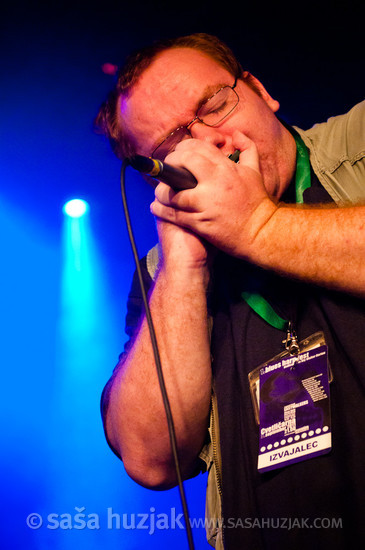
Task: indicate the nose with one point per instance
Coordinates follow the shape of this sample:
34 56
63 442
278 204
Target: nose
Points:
199 130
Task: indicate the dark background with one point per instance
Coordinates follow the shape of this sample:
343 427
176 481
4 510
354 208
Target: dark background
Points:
309 56
54 458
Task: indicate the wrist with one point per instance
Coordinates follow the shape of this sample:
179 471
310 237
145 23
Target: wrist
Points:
260 232
183 272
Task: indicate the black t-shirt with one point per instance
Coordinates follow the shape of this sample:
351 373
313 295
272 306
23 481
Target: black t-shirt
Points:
258 508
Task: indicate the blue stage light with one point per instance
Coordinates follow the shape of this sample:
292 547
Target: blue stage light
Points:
75 208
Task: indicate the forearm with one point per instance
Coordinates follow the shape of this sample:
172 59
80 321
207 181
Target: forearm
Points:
136 420
322 245
232 208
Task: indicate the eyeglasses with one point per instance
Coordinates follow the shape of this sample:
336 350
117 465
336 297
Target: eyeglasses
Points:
211 113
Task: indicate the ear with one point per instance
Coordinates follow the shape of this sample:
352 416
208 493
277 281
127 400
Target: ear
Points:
260 89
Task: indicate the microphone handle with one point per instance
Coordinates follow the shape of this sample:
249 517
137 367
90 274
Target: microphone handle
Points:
178 178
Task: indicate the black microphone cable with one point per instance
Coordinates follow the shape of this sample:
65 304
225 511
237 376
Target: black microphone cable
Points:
161 380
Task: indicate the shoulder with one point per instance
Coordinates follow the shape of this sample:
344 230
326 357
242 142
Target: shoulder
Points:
337 154
341 138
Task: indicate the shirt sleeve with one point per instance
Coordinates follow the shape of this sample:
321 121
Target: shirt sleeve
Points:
134 316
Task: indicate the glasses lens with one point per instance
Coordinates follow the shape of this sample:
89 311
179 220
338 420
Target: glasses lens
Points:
219 106
170 143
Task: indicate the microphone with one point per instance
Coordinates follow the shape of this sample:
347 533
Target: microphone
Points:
177 178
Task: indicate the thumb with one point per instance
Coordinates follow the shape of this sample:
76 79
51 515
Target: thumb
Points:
249 156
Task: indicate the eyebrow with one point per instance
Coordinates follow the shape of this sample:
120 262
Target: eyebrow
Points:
208 92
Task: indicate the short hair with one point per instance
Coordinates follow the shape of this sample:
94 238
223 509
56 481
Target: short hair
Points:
108 121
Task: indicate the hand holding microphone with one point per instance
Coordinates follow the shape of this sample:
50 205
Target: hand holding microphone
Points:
230 203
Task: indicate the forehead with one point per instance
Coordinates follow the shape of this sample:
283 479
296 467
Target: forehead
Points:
168 93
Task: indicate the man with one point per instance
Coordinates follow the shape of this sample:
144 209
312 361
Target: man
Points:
239 234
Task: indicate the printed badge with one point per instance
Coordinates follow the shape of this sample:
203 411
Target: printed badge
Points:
294 409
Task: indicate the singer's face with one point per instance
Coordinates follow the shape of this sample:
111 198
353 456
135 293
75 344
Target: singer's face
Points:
170 91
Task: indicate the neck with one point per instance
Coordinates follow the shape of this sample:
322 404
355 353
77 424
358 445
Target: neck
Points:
287 161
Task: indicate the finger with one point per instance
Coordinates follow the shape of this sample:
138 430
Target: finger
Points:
182 200
170 214
195 154
194 145
164 193
249 156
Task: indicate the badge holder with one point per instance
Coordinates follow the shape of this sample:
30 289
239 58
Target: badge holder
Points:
290 395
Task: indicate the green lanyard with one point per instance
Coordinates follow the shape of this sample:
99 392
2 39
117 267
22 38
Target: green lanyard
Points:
302 182
303 171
